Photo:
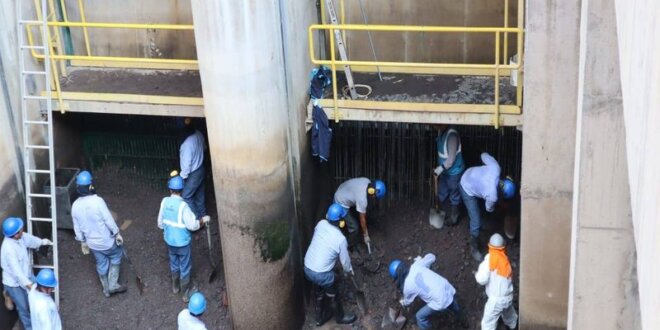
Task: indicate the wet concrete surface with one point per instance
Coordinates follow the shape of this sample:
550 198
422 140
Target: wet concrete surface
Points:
134 81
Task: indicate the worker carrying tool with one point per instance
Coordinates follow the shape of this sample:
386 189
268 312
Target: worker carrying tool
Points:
328 244
357 192
495 273
420 281
191 160
483 182
177 221
17 274
43 310
448 172
188 318
96 230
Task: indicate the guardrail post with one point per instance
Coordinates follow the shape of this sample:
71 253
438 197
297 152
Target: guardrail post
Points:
497 80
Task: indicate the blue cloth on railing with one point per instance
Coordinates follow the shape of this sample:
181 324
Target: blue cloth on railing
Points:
321 134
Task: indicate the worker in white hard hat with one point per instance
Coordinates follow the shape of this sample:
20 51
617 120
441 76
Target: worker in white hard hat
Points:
495 273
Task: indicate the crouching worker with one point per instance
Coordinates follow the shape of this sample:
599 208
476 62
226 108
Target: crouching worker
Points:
188 319
495 273
44 312
177 221
328 245
433 289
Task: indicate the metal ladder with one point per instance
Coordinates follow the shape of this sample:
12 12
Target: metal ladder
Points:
342 49
37 117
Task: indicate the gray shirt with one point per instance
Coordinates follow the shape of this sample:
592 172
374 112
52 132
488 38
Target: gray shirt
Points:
328 244
353 192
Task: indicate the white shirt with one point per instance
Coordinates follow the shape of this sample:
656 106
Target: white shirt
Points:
482 181
15 260
496 285
328 243
188 216
93 223
434 289
353 192
43 311
187 321
191 153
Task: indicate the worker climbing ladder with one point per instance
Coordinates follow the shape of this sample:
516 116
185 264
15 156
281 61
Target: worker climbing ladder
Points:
342 49
37 118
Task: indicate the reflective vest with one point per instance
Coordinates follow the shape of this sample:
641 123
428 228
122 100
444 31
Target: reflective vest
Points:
459 164
176 233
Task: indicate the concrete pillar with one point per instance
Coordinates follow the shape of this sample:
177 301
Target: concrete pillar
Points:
603 283
242 66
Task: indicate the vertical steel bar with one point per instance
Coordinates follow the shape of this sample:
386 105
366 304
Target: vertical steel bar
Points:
81 8
497 80
521 26
58 39
334 74
506 34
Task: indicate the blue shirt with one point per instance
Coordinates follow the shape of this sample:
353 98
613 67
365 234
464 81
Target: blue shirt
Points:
191 153
482 181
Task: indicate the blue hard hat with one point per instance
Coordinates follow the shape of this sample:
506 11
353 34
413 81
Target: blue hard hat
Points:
508 188
336 212
393 266
175 183
11 226
84 178
46 277
381 190
197 303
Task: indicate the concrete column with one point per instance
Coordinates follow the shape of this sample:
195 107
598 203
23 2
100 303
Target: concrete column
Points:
242 66
603 283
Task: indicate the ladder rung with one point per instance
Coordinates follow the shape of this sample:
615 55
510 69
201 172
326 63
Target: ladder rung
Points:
40 219
38 171
32 97
43 266
33 47
35 122
30 146
39 195
34 72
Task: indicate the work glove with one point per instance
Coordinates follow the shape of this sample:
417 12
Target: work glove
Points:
84 248
367 240
45 241
438 170
402 303
417 258
119 240
206 219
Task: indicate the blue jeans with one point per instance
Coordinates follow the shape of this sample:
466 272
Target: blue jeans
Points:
193 192
180 260
325 280
107 257
474 212
448 187
424 314
20 297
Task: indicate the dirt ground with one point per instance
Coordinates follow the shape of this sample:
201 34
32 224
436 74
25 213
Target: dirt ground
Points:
403 232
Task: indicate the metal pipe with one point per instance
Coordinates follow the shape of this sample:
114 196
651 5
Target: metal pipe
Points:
333 65
407 28
506 34
118 25
85 32
371 42
497 80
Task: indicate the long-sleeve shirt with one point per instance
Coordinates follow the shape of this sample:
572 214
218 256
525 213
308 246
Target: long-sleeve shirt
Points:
424 283
328 244
93 224
353 192
187 321
496 285
191 153
15 260
482 181
188 216
43 311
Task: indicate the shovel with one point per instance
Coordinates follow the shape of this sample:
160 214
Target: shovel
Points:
436 218
359 296
214 270
138 278
393 319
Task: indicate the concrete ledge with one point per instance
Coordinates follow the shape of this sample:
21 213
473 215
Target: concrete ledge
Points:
123 108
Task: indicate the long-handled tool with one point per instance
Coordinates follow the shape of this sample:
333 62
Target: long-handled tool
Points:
214 270
393 319
359 296
138 278
436 219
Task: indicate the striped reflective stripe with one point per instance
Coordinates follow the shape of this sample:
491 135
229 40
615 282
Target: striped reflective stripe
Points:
179 223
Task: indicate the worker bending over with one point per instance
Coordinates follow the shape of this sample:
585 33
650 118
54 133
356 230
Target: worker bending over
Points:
328 244
188 318
96 230
495 273
483 182
433 289
15 262
44 314
191 160
177 221
356 193
448 172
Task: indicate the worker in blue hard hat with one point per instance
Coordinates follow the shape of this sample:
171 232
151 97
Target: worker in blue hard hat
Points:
191 161
483 182
188 318
328 244
448 172
356 193
419 280
96 230
177 221
17 276
43 310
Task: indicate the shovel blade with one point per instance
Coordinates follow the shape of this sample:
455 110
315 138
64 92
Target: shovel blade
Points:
389 318
400 322
435 219
139 284
361 302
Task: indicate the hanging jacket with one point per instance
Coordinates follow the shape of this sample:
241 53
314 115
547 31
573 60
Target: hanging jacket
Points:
177 220
452 160
321 134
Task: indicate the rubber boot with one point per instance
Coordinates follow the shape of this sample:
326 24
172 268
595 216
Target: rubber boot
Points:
474 249
113 281
338 309
175 282
322 313
104 285
187 288
453 215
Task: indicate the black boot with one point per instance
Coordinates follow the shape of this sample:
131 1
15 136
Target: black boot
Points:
474 249
321 309
453 215
340 317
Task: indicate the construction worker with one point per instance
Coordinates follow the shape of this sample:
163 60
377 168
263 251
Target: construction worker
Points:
188 318
448 172
495 273
328 244
177 221
356 193
191 160
17 274
420 281
483 182
96 230
43 310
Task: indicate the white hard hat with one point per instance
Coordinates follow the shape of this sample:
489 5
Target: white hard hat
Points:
496 241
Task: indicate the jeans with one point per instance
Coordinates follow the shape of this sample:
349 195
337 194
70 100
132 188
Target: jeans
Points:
448 188
107 257
424 314
20 297
193 192
180 260
325 280
474 212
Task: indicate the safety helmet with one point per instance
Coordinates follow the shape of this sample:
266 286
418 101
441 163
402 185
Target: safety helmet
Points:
336 212
84 178
377 189
393 267
175 183
496 241
11 226
197 303
508 188
46 278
